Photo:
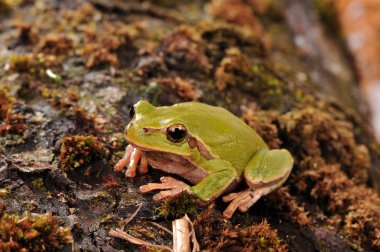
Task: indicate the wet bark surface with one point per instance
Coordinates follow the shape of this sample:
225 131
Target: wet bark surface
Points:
71 70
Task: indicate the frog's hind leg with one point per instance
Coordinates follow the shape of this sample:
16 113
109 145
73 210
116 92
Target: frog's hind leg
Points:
242 200
267 170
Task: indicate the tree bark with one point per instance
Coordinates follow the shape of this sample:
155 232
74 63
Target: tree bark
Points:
71 70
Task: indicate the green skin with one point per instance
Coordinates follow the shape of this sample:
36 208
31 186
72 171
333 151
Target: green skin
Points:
217 143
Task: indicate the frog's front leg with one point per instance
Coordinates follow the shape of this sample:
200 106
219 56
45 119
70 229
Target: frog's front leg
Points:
131 158
221 176
266 171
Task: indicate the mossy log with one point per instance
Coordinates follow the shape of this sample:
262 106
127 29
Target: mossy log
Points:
70 71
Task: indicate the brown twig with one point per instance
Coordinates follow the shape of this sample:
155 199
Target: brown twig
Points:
162 227
118 233
124 223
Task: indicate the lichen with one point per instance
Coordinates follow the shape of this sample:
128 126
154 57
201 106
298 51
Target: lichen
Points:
29 233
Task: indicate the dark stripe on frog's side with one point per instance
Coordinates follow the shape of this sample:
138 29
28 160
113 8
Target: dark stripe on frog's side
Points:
191 141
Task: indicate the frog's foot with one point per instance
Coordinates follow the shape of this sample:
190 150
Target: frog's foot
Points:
131 158
243 200
171 187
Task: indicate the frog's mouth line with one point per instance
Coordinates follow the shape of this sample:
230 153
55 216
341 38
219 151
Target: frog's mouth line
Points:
139 147
144 149
191 141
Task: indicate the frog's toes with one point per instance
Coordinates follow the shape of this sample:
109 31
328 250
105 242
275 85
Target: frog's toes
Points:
171 187
143 167
242 200
125 160
135 158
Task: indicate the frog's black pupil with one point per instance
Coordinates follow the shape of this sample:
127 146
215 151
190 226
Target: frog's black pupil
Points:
132 112
176 133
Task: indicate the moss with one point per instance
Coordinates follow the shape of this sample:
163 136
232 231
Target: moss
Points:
223 236
220 37
328 15
28 33
272 91
263 122
3 192
237 12
327 156
109 181
182 88
4 7
32 65
22 63
10 122
352 208
312 134
38 183
184 50
104 43
85 121
67 102
176 207
55 44
287 207
80 151
233 69
6 102
117 142
32 233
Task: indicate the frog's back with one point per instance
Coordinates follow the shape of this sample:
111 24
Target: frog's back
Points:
221 131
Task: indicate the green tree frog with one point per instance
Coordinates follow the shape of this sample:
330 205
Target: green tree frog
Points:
206 145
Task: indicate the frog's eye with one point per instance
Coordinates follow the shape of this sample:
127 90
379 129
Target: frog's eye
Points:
132 112
176 133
